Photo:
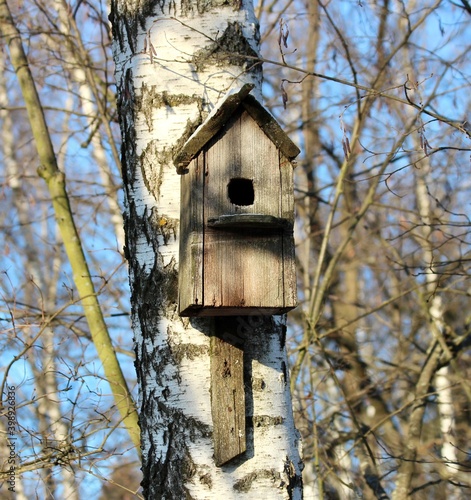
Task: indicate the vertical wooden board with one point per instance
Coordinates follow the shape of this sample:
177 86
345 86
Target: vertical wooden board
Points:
184 294
260 160
289 272
234 147
287 212
197 208
287 188
190 278
261 259
227 394
221 269
222 163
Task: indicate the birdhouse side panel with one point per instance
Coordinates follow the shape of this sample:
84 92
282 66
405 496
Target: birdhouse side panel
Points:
287 189
289 272
287 213
190 278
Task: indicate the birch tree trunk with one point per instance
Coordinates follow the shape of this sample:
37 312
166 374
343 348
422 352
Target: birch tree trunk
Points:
174 60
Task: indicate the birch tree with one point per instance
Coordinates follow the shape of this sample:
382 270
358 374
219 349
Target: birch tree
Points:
173 63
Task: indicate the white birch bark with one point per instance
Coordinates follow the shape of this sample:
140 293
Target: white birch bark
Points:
170 73
436 312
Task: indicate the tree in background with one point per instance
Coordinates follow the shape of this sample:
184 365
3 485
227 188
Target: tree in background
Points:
376 95
60 432
383 244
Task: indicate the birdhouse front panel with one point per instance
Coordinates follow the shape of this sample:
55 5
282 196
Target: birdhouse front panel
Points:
236 241
242 171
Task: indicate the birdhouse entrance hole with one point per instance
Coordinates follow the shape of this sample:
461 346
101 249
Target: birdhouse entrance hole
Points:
240 192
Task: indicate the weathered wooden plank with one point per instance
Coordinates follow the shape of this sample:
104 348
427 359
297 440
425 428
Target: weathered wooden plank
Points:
260 162
287 189
287 213
190 276
210 312
223 163
289 273
249 221
243 269
227 393
270 127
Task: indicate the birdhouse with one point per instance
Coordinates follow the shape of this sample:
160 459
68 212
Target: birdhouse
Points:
237 213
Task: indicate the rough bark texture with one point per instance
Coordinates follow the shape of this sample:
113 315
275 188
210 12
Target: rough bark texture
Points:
174 61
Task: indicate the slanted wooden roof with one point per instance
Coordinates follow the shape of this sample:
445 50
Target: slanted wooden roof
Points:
219 117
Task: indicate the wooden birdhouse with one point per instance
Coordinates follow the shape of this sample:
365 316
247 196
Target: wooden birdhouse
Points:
237 213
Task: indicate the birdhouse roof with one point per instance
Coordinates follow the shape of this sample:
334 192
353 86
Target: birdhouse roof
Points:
219 117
